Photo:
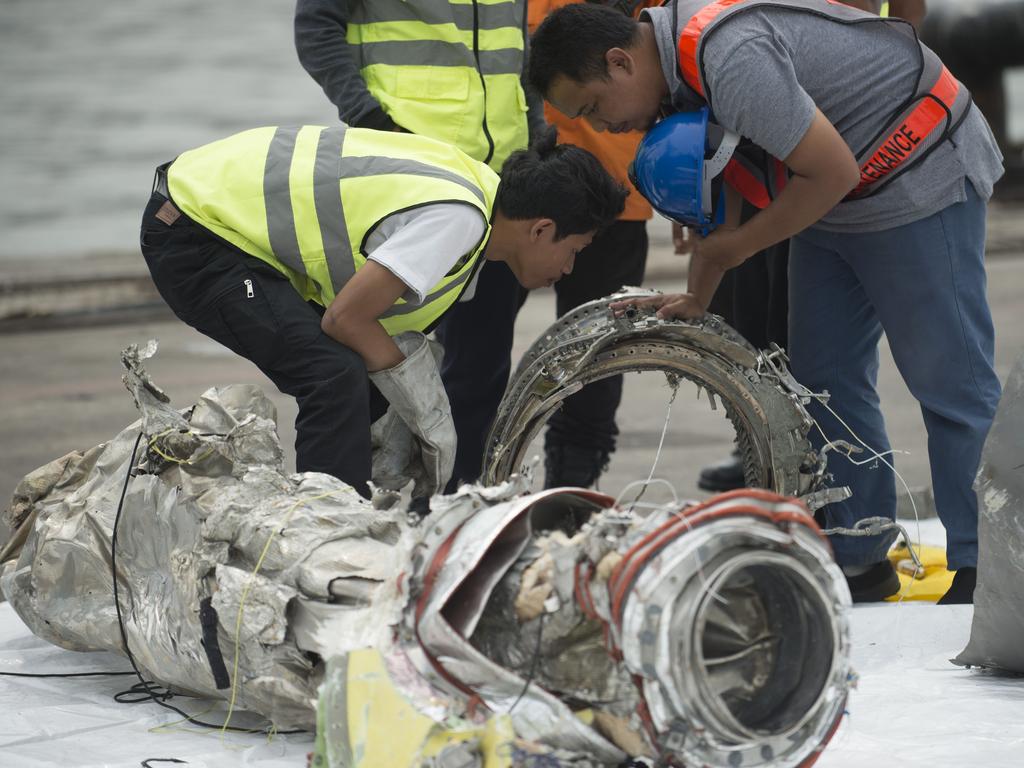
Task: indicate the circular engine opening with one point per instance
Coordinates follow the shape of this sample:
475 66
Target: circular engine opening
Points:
764 647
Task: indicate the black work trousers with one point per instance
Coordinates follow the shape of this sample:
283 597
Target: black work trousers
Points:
477 337
616 257
754 297
477 340
253 310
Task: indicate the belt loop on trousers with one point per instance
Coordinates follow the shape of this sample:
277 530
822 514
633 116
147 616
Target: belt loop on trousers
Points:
160 180
168 212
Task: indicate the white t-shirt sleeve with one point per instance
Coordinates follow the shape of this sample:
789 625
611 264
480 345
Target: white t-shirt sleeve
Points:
420 246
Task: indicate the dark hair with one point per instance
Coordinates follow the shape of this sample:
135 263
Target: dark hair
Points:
562 182
573 40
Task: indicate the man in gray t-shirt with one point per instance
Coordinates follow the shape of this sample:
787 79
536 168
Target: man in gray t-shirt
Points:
813 83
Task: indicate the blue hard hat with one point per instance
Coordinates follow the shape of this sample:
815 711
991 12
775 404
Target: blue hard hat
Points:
675 165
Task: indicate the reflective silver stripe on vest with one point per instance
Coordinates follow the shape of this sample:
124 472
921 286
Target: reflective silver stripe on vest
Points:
329 210
407 308
355 167
436 53
284 241
460 14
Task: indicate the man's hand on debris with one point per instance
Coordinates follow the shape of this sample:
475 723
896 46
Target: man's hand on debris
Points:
394 461
414 389
666 306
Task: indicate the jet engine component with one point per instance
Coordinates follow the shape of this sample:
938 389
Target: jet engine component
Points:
998 623
515 627
761 399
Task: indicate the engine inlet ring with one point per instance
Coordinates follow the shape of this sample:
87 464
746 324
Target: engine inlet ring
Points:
761 401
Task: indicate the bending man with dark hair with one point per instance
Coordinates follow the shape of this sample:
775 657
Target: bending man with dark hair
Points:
324 254
451 71
889 170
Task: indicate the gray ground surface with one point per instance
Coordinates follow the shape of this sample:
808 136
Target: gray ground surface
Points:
96 93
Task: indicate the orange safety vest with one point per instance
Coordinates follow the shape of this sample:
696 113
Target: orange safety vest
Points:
614 151
934 110
756 175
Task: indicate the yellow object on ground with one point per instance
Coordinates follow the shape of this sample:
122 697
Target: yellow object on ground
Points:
936 578
365 721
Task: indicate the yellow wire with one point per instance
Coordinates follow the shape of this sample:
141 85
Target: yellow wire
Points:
245 595
187 462
168 727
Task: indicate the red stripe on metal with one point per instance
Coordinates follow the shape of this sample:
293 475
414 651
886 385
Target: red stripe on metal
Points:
636 557
428 586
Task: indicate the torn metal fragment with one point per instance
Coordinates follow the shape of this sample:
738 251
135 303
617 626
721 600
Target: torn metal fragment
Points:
760 399
501 626
998 624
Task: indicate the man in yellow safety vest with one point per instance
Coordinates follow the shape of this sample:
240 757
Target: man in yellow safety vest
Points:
324 254
452 71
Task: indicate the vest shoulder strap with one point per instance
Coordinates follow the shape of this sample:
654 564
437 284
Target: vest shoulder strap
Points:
937 106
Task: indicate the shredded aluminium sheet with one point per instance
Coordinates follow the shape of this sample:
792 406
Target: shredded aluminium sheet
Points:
912 707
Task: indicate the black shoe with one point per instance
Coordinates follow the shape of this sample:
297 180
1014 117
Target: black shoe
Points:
961 591
875 584
573 466
726 475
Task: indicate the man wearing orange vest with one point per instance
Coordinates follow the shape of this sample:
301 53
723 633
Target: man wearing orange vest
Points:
581 435
753 297
890 167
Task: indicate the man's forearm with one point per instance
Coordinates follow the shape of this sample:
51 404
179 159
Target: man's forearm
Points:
703 279
352 317
911 10
800 205
367 338
823 173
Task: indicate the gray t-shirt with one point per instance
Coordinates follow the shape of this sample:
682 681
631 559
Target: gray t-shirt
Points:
767 69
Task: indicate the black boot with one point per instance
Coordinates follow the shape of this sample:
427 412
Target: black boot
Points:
961 591
875 584
573 465
726 475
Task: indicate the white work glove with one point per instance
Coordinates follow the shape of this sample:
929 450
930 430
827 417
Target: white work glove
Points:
414 389
395 453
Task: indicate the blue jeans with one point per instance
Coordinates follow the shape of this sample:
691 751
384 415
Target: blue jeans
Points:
923 284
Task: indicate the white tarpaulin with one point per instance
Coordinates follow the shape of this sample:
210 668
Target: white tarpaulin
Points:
912 707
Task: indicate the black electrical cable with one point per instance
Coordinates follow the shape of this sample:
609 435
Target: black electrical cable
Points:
147 690
533 665
63 674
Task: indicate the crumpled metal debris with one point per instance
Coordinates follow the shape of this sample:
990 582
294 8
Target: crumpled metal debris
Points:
209 489
499 630
759 396
998 606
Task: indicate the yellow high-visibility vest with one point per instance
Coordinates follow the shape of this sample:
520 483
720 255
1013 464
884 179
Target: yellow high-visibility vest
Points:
449 70
304 199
